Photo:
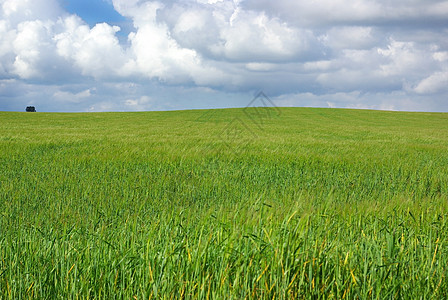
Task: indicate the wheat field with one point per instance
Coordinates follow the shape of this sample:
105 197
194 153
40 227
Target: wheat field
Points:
292 203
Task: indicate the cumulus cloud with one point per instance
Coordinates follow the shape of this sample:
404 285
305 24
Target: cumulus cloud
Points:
17 11
139 104
393 53
95 51
78 97
350 37
437 82
357 12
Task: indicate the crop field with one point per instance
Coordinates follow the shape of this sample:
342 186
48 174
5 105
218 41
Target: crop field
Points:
289 203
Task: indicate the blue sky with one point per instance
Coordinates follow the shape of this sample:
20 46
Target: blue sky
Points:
93 11
133 55
98 11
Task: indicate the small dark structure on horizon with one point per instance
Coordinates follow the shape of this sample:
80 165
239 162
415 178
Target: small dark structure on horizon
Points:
30 109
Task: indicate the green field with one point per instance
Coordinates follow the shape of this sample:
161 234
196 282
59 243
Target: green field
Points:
300 203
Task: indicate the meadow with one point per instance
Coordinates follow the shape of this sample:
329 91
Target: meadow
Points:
294 203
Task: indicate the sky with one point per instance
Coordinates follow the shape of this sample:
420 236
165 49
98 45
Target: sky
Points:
140 55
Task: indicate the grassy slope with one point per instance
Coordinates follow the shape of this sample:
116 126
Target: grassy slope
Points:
323 202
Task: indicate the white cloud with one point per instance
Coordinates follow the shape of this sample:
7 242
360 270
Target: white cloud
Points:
30 46
354 51
350 37
261 66
359 12
73 97
157 55
401 57
254 38
441 56
16 11
7 35
439 8
142 103
398 100
95 51
435 83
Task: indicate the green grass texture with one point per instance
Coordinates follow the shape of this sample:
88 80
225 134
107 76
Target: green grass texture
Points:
255 203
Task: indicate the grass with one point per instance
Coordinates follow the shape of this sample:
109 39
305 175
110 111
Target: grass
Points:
308 203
